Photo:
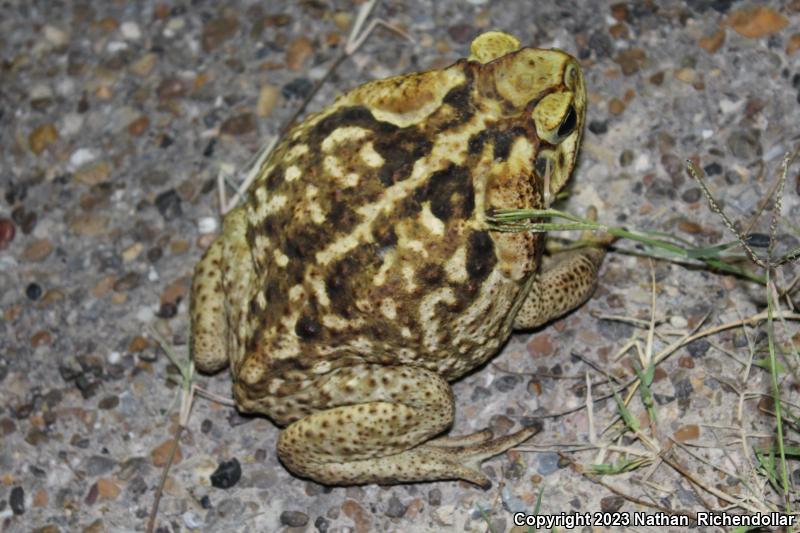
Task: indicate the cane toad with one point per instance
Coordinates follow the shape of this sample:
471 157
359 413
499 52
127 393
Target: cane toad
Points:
358 278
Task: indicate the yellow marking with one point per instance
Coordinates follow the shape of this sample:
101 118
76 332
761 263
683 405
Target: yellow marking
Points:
334 169
292 173
296 293
428 315
456 266
440 157
389 308
296 152
405 332
370 157
261 300
408 273
281 259
334 322
343 134
431 222
273 205
318 286
315 212
261 195
389 259
416 246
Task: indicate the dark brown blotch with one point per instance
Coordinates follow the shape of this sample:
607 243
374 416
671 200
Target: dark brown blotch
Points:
450 193
481 257
308 327
431 274
504 140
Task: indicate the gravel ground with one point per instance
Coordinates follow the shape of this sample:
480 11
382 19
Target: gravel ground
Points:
115 120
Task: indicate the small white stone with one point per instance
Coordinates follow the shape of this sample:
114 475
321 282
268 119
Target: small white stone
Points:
145 314
192 521
152 275
81 156
116 46
71 124
173 27
114 358
729 106
641 163
207 225
40 91
706 134
130 31
678 322
56 36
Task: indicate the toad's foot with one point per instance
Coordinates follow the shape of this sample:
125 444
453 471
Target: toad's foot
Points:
463 455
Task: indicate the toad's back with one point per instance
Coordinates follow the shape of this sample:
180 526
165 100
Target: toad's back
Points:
365 228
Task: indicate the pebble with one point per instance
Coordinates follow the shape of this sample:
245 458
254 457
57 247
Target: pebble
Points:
396 508
547 464
506 383
267 98
7 233
42 137
756 22
192 521
144 65
631 61
297 88
33 291
160 453
239 125
16 500
26 220
598 127
686 433
357 514
322 524
298 51
56 36
97 465
227 474
294 518
616 106
93 173
168 204
744 144
678 322
602 45
81 156
207 225
698 348
793 45
611 504
37 251
130 31
691 195
713 42
109 402
217 31
435 497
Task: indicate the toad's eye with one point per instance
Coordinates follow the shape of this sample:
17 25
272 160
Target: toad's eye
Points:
556 117
568 124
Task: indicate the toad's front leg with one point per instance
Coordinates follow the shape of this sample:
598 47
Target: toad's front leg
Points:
378 429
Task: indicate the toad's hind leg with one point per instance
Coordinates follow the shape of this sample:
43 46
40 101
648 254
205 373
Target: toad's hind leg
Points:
377 427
